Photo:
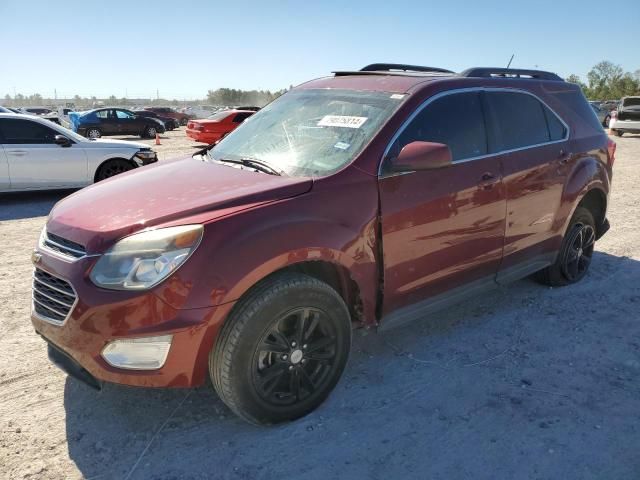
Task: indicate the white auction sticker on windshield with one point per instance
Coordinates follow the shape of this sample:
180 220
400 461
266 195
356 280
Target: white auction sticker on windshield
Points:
342 121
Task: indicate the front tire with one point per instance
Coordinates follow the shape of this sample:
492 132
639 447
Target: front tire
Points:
575 253
149 132
282 350
618 133
112 168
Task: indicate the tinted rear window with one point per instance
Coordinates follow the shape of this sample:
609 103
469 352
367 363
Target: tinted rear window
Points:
631 102
519 120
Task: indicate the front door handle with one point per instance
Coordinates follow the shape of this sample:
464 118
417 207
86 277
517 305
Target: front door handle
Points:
17 153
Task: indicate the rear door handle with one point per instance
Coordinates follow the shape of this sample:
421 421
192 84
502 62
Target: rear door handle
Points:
563 157
488 180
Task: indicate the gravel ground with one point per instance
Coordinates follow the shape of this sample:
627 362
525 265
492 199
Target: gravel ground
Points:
526 382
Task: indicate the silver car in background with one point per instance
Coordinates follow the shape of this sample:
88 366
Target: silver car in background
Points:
36 154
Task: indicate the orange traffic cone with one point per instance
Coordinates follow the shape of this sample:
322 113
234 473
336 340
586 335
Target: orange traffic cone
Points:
157 139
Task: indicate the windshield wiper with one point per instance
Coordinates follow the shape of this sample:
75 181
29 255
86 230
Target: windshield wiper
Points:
252 163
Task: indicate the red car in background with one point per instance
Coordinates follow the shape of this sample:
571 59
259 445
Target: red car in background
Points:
181 118
217 126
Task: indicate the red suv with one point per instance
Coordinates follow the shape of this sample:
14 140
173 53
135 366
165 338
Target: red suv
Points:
367 198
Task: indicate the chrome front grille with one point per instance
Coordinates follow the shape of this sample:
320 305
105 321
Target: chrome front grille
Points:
63 246
53 298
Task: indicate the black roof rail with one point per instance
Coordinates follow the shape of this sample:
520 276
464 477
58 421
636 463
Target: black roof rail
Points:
510 73
386 67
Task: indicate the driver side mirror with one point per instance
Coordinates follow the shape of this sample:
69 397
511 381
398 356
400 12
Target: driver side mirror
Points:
62 141
422 156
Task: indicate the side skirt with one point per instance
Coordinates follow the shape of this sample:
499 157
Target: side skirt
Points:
420 310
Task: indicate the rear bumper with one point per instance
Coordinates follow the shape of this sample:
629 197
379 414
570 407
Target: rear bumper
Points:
616 124
203 137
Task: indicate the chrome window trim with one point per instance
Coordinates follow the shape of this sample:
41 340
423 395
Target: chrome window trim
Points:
49 320
439 95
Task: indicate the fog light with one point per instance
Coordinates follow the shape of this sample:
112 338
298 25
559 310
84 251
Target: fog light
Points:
147 353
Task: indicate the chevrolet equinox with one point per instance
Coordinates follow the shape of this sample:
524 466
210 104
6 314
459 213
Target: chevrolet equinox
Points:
368 198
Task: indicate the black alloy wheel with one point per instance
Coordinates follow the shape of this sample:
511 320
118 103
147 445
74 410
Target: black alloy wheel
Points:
295 357
112 168
577 255
282 350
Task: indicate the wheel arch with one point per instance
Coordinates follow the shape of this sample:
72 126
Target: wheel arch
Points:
587 185
595 200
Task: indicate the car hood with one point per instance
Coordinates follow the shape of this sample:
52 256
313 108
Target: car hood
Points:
104 143
164 194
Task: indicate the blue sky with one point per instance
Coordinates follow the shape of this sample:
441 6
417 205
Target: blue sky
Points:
185 47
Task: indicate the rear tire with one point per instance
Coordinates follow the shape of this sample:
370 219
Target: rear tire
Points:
184 122
282 350
112 168
575 254
618 133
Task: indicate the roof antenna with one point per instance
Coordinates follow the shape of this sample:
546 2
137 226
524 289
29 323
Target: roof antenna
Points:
510 60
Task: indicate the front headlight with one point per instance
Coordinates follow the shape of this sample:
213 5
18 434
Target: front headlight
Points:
146 154
143 260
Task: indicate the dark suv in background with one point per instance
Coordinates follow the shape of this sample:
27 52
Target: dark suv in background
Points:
367 198
182 118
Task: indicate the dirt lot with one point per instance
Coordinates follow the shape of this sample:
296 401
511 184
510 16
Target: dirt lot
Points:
526 382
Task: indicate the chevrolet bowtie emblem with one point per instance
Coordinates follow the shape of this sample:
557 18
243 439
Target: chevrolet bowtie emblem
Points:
36 257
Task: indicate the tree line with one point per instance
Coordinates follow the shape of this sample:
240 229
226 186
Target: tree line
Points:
221 96
608 81
605 81
232 96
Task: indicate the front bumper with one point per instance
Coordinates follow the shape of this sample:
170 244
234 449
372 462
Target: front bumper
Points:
100 316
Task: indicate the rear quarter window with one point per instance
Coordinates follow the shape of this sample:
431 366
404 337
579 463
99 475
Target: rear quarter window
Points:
578 110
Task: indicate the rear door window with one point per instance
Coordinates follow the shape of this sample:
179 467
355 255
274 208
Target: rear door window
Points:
457 120
519 120
123 115
25 132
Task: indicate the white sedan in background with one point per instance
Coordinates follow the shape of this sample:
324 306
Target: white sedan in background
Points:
36 154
